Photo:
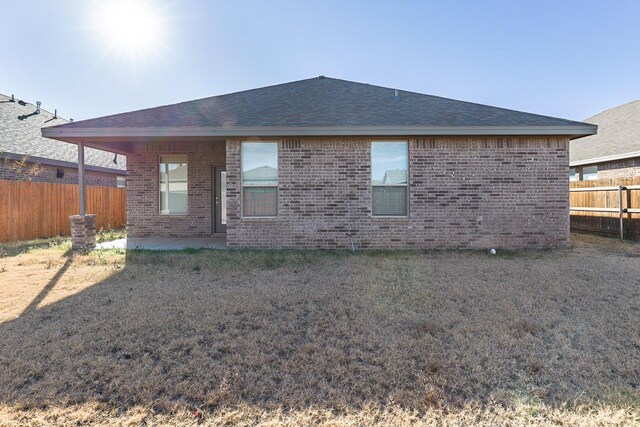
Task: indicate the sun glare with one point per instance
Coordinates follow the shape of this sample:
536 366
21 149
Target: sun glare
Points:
134 28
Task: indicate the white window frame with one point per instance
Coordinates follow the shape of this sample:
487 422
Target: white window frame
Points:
388 185
160 162
276 185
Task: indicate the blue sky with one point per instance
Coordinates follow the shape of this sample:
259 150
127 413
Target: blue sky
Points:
563 58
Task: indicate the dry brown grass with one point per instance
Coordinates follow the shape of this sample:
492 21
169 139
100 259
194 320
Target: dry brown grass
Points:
290 338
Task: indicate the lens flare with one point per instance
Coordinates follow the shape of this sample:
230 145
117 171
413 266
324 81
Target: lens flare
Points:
132 28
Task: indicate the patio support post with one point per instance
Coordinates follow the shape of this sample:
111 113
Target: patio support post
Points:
83 226
81 178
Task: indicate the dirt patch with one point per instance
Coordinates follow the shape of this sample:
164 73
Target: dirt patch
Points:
249 337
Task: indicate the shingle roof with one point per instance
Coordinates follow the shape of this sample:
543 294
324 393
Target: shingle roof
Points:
395 176
20 134
261 174
179 174
319 102
618 136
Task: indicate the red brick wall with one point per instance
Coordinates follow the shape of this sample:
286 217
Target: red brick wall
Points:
464 193
143 213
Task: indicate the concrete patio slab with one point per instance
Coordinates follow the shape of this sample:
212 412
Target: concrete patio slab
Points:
165 243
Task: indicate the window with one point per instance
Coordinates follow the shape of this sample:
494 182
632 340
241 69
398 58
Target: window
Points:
121 181
589 173
259 179
573 174
389 178
173 185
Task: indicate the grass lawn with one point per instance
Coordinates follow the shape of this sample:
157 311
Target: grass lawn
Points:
329 338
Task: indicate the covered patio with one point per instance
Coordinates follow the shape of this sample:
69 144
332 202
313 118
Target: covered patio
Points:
203 213
166 243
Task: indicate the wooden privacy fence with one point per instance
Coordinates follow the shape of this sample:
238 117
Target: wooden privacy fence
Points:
610 206
32 210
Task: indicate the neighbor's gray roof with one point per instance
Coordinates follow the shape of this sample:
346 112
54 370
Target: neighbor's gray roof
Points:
319 103
20 134
395 176
392 176
261 174
179 174
618 136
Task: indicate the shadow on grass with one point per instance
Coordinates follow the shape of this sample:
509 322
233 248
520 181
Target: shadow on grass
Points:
304 329
16 248
68 255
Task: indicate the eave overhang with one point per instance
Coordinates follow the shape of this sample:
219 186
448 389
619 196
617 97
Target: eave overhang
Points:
603 159
74 134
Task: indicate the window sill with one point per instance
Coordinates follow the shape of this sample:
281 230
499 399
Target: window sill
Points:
259 218
390 217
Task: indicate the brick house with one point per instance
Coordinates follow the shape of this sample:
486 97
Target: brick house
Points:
615 151
26 154
356 166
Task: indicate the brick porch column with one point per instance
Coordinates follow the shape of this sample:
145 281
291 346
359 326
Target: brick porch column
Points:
83 231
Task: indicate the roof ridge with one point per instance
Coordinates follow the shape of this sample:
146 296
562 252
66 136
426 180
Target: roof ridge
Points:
613 108
34 105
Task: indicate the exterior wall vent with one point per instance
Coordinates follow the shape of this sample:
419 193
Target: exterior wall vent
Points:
291 144
424 143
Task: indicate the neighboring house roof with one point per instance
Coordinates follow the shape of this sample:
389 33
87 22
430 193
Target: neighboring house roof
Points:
261 174
20 135
179 174
395 176
320 106
618 136
392 176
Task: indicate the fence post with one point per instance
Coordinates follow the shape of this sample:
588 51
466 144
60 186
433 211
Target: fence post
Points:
621 211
